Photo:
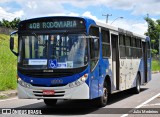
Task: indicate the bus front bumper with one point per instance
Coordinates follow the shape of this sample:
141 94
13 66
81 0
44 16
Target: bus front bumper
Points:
64 92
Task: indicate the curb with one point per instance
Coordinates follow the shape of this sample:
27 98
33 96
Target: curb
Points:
154 72
8 94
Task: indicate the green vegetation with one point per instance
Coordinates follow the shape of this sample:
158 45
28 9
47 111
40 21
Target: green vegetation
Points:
3 96
153 32
10 24
155 65
7 65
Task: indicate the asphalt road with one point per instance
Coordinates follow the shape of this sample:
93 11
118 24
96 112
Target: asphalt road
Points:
120 103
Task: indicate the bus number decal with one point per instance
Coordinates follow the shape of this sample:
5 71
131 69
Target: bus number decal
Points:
34 25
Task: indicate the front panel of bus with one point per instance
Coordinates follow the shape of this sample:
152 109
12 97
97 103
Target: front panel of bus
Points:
53 57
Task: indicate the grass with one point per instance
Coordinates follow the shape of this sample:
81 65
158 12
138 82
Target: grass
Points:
155 65
7 65
3 97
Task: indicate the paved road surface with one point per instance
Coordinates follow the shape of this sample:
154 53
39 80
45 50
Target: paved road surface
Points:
148 98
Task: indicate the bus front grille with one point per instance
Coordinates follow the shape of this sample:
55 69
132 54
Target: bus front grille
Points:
55 85
48 75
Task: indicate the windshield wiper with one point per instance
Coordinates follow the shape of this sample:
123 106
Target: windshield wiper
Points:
35 35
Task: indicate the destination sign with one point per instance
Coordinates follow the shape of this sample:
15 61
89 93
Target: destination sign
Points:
60 23
56 24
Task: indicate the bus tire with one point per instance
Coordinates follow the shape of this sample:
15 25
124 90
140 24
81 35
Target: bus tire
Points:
102 101
50 102
136 89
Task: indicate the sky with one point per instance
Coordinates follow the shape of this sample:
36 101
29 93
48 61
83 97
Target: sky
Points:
132 11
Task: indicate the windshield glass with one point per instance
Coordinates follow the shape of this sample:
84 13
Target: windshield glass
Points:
53 51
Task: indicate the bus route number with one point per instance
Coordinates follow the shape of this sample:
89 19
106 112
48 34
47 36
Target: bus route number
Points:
34 25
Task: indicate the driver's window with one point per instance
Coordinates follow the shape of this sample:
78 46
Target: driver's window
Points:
94 46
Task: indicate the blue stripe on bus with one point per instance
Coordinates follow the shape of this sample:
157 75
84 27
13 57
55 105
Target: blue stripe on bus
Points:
47 81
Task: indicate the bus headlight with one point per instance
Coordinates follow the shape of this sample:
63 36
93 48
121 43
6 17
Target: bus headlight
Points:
78 82
22 83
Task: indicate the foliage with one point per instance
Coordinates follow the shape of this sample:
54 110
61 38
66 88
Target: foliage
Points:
10 24
153 32
154 52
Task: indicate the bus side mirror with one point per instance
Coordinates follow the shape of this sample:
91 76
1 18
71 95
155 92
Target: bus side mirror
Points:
12 43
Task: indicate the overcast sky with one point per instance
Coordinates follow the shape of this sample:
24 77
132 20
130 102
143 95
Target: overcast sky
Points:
133 11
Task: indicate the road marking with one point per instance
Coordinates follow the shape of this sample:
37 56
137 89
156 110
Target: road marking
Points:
8 99
157 104
139 106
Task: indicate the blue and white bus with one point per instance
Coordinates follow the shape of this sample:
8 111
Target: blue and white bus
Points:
78 58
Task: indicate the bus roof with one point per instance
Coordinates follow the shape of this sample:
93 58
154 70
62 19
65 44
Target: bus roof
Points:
143 37
117 29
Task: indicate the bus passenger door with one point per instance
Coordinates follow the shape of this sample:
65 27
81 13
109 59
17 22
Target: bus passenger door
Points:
144 46
115 61
146 62
149 60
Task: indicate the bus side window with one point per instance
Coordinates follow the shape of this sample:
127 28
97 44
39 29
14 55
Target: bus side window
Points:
139 49
122 46
134 49
106 52
94 46
128 46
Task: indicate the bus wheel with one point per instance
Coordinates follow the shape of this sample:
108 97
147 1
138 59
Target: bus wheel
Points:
50 102
102 101
137 88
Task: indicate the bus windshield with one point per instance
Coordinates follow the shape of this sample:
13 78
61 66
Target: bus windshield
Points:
52 51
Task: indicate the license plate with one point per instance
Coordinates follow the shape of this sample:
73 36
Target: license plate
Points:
48 92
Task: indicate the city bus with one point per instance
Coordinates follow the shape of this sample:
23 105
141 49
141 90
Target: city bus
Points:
72 58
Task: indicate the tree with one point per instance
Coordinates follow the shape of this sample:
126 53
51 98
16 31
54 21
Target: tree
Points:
153 33
10 24
6 23
14 23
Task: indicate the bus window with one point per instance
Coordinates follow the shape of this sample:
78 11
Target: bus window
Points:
128 44
122 46
106 52
94 47
133 42
139 49
138 43
105 36
34 48
133 47
128 41
94 52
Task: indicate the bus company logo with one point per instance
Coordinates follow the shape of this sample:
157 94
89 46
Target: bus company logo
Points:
6 111
57 81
